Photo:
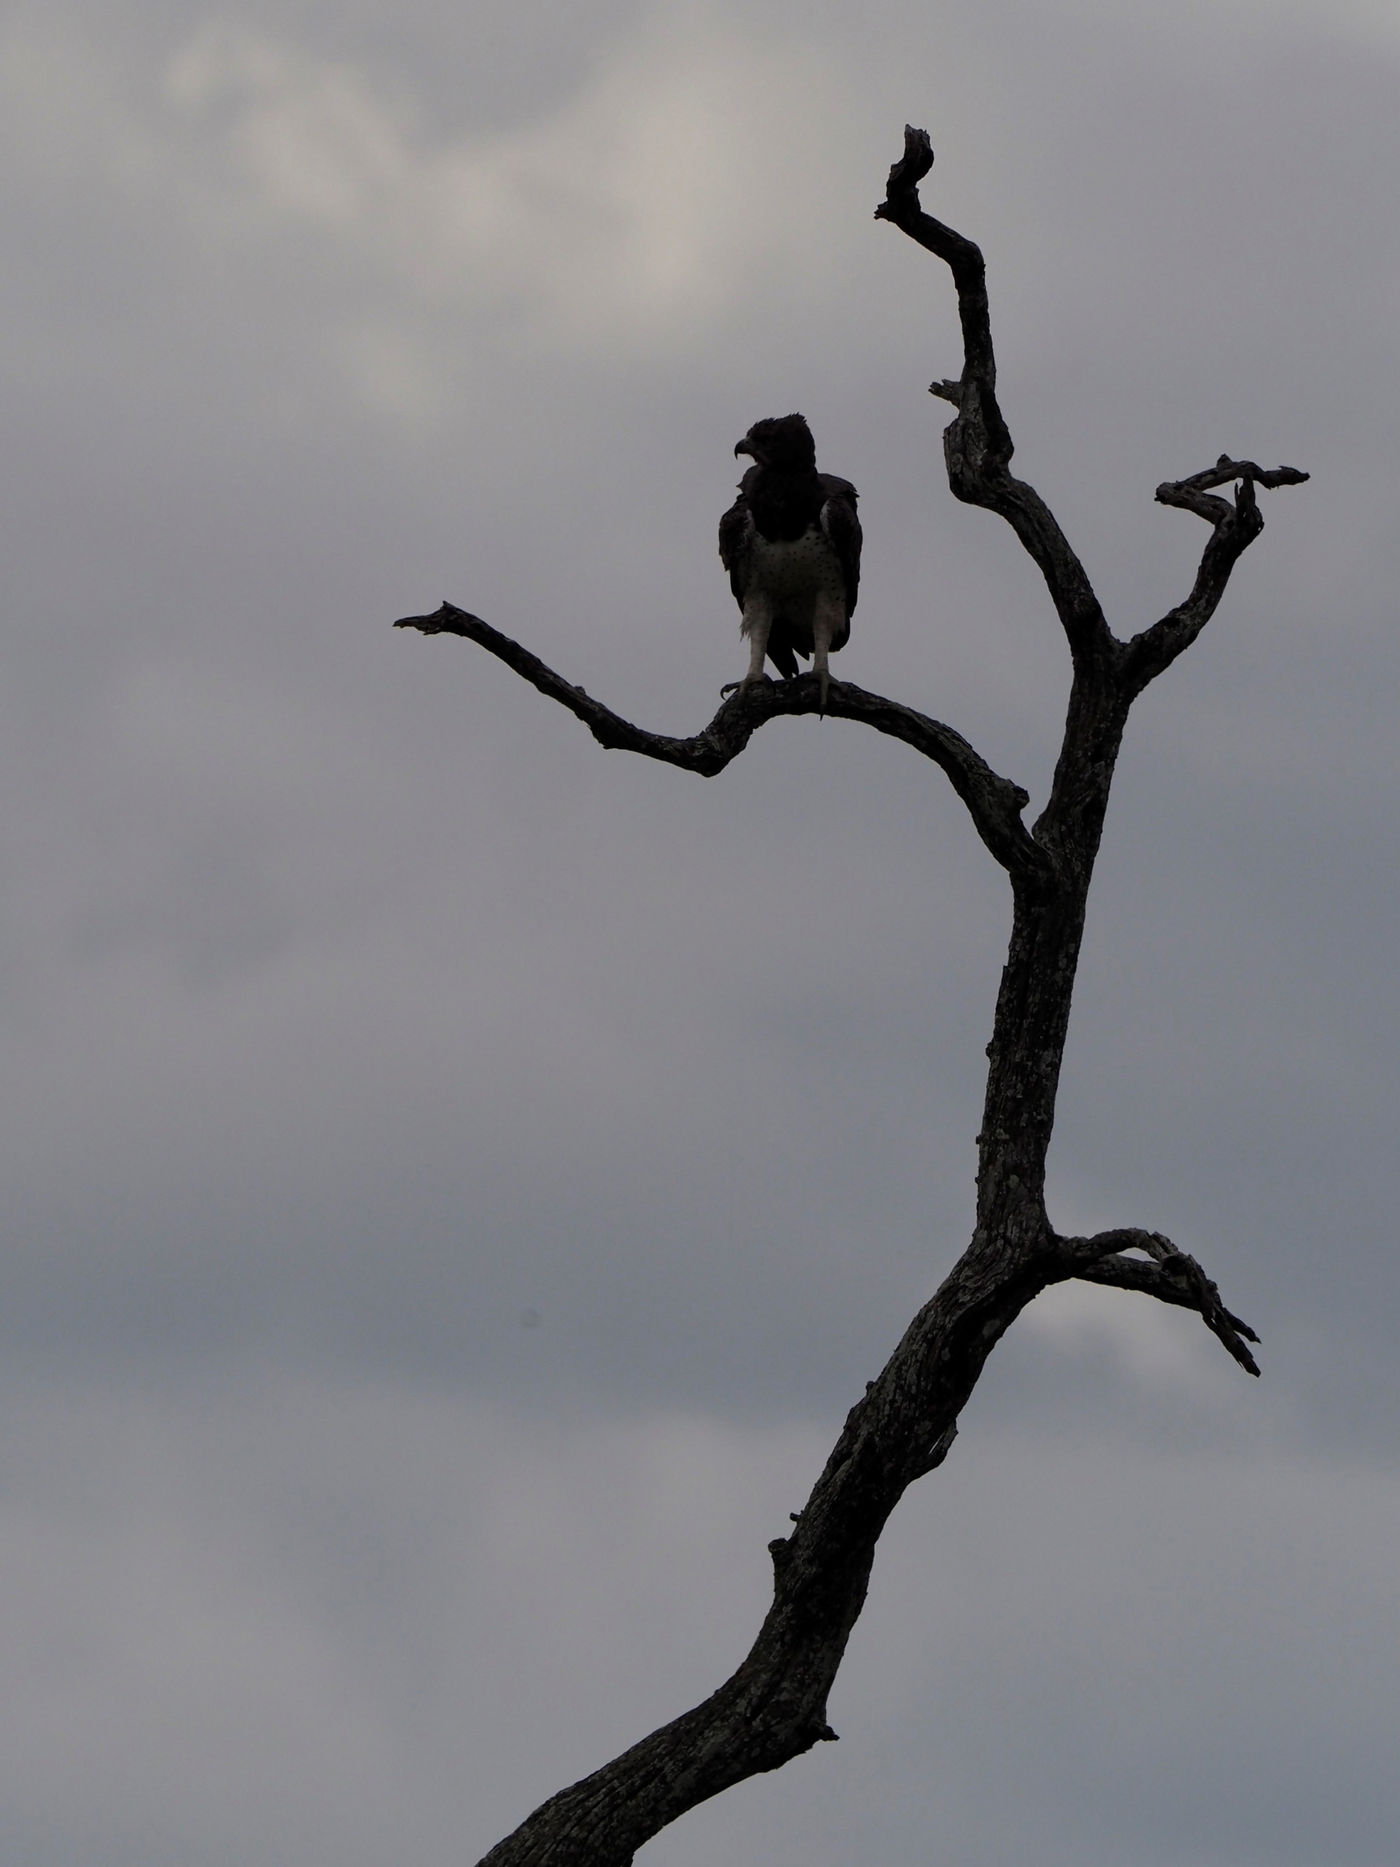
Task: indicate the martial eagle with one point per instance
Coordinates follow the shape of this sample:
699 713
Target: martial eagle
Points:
791 545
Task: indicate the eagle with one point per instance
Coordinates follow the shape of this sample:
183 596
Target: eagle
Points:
791 545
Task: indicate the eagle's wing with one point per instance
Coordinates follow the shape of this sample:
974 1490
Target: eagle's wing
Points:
734 530
842 528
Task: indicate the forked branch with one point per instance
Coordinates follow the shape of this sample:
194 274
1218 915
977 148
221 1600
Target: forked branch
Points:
978 448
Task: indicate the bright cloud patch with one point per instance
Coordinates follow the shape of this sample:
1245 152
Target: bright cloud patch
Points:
303 208
627 213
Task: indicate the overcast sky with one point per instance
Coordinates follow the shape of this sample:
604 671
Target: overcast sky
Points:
457 1179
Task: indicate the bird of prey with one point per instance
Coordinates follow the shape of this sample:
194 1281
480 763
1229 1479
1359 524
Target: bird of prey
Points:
791 545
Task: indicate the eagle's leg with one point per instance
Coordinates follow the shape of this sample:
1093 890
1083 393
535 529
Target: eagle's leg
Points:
827 617
757 625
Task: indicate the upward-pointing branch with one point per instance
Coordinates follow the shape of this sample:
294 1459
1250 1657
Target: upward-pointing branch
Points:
978 443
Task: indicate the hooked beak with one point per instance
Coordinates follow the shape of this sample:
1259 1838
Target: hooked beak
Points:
744 447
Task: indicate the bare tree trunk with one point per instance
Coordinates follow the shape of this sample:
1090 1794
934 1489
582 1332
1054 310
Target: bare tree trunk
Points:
773 1707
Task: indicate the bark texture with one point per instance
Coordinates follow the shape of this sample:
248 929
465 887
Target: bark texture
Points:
773 1707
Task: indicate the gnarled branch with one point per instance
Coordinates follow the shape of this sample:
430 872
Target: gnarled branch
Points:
993 802
1170 1275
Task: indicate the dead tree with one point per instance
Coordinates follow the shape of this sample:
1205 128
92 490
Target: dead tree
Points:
773 1708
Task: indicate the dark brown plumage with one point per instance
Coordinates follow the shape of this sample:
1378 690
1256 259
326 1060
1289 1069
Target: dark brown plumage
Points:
791 544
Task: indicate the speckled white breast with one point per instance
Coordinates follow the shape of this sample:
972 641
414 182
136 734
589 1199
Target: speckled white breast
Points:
795 567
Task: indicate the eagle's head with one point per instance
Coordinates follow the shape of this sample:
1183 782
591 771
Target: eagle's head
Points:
781 441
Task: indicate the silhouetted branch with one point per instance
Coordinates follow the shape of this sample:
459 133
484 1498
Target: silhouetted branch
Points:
1235 525
1166 1273
977 445
993 802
